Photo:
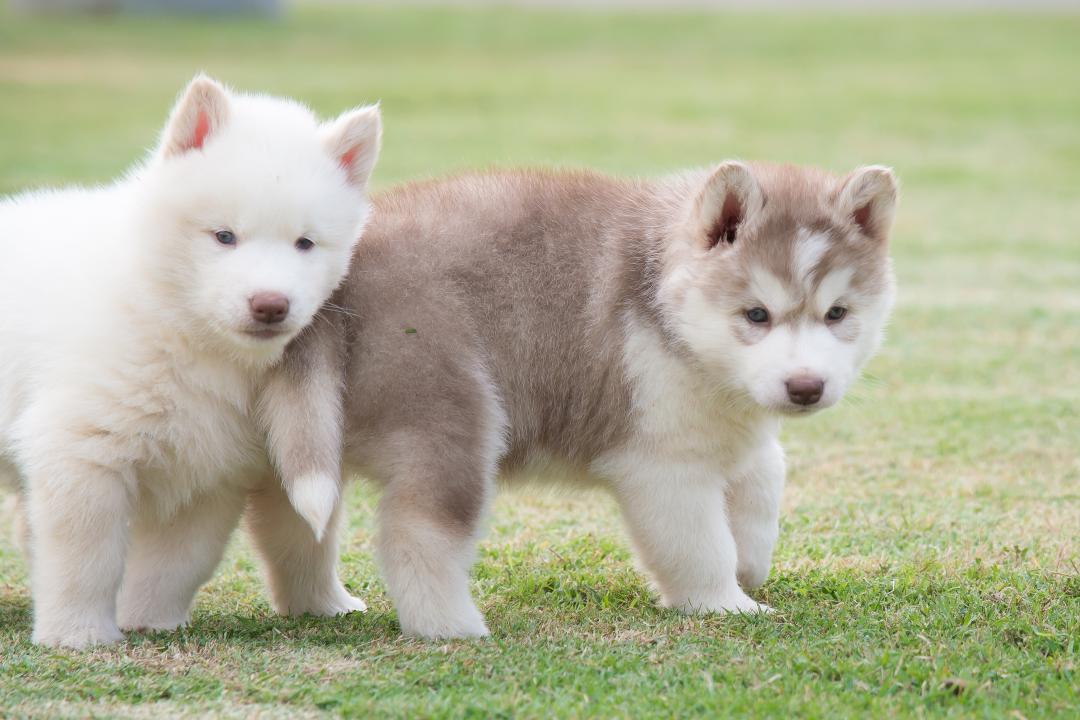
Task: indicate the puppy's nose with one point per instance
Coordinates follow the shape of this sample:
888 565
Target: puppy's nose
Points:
269 307
805 390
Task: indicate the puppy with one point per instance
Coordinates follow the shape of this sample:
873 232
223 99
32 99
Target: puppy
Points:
140 322
649 336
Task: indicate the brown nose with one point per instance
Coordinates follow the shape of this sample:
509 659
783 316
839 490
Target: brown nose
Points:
269 307
805 390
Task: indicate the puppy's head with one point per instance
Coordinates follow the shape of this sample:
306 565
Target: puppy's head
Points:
780 281
252 208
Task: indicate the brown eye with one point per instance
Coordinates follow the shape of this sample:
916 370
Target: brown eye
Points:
836 313
758 315
304 244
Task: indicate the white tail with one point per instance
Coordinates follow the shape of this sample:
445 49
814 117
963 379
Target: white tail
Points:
314 497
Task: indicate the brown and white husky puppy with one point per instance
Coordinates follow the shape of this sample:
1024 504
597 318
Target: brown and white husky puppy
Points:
646 335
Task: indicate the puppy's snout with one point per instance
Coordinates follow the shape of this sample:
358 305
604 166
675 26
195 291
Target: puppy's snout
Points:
804 389
269 307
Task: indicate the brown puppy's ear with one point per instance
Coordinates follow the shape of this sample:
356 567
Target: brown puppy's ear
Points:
729 197
353 139
203 108
868 199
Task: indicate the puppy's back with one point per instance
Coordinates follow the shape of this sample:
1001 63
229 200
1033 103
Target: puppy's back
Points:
525 273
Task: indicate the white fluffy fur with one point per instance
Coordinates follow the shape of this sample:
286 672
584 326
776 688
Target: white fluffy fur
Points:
809 249
127 371
314 497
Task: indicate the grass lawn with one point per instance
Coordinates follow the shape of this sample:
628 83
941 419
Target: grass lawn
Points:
929 561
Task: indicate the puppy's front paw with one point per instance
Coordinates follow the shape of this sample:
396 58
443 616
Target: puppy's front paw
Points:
440 625
336 602
735 602
752 575
343 604
152 624
77 637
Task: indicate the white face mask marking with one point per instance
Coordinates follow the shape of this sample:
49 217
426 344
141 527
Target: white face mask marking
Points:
809 249
771 293
832 288
791 352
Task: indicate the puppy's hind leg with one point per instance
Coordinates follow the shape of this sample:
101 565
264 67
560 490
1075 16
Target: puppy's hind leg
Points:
429 517
301 572
171 558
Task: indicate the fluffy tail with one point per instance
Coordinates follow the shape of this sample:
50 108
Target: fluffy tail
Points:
301 412
314 497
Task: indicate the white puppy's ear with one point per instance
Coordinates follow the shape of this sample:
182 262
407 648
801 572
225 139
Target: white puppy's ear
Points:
729 197
353 139
201 111
868 199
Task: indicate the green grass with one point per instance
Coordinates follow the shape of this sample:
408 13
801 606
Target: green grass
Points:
930 525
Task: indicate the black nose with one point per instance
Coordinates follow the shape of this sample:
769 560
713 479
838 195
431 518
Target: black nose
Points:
269 307
805 390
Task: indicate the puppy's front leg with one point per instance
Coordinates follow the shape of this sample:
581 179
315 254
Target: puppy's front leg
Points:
754 509
78 514
170 558
677 519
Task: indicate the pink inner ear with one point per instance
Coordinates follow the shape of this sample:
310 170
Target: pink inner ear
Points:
202 129
348 158
731 214
727 224
861 216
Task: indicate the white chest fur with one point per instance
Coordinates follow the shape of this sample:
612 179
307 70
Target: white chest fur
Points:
208 440
682 418
190 425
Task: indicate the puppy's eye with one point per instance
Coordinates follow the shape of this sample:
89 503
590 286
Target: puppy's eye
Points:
836 313
225 237
758 315
304 244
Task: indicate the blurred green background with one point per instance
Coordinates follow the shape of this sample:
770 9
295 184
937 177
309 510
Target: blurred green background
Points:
928 561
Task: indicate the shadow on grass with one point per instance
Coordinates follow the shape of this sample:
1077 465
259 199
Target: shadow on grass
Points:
1027 609
15 613
591 638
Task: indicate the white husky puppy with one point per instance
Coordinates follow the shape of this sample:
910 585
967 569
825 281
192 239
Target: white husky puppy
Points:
140 321
647 335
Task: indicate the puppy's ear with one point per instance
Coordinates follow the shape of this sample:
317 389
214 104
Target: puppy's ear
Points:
729 197
201 111
868 199
353 139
